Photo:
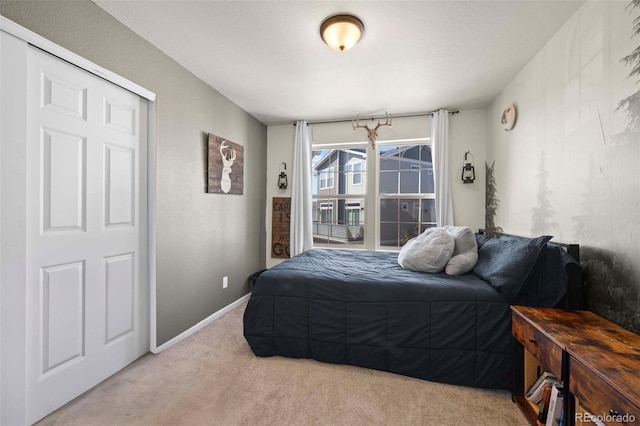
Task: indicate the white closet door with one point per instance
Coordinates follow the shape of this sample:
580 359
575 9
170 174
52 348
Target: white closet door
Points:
87 273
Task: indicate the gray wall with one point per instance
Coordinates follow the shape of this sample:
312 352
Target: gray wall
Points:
569 168
200 237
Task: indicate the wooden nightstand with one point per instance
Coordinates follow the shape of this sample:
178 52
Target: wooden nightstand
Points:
537 346
597 361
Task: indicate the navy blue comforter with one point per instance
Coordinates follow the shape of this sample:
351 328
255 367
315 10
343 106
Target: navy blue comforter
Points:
361 308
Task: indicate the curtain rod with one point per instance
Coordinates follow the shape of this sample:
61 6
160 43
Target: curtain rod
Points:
378 118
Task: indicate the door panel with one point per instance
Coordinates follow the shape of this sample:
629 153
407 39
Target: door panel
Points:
63 289
64 97
119 116
120 280
120 185
63 181
87 280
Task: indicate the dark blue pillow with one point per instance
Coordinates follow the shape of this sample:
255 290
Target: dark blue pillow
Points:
552 279
507 263
481 239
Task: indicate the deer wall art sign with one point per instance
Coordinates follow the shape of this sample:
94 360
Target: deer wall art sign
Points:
225 166
372 132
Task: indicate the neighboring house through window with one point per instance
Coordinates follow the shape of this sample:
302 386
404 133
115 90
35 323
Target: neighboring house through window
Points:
337 181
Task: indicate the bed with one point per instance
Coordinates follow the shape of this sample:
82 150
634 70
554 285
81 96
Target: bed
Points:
361 308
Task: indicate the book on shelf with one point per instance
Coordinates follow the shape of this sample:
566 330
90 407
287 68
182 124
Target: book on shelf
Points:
544 403
535 392
556 403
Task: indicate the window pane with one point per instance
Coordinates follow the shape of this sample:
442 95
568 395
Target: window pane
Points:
409 182
429 211
407 232
425 226
426 182
409 157
352 179
388 210
338 221
389 158
410 210
324 178
356 178
332 171
388 182
426 161
389 234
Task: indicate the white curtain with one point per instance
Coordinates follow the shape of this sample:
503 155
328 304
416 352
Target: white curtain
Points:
439 145
301 238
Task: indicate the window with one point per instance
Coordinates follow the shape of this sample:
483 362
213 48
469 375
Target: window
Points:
400 197
356 176
327 177
406 199
339 195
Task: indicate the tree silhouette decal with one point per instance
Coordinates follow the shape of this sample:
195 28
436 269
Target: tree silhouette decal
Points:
491 203
542 213
631 104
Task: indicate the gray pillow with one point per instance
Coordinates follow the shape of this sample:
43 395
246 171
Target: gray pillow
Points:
465 254
428 252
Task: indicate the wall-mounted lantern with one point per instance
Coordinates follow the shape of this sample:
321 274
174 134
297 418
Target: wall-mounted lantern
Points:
282 177
468 171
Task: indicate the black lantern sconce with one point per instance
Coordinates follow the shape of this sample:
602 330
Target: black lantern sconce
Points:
468 171
282 177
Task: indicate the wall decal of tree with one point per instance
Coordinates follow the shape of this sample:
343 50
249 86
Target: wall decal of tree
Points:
491 202
543 212
631 104
611 278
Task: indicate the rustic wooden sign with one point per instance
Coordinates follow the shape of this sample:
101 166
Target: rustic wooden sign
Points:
226 166
280 220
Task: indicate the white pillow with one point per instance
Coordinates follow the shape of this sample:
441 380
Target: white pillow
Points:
428 252
465 254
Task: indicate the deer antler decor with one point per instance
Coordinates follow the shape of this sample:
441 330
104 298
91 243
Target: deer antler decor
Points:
372 133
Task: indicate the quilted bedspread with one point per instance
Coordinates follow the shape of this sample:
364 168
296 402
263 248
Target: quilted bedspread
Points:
361 308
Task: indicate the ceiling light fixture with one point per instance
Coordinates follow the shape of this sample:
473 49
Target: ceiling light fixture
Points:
341 32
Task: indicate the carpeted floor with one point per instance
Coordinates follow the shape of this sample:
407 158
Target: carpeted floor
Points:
213 378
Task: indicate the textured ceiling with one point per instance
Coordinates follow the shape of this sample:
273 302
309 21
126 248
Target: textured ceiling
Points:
415 56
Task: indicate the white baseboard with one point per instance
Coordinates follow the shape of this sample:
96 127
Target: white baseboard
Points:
201 324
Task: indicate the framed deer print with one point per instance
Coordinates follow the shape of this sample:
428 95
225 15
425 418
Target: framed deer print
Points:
226 166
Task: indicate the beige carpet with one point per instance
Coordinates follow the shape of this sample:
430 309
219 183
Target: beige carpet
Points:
213 378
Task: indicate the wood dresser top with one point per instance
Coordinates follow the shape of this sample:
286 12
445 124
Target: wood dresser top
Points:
607 349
